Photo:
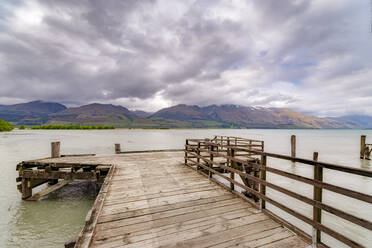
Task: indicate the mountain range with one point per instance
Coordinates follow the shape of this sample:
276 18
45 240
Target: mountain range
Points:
179 116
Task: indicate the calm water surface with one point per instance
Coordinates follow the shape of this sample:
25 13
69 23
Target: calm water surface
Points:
60 216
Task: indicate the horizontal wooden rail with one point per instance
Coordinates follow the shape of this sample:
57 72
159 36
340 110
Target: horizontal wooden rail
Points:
245 160
359 221
330 187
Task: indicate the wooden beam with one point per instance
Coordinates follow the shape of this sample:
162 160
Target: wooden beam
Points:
26 188
48 190
41 174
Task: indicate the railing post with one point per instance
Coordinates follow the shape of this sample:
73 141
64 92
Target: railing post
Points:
198 159
117 149
211 158
362 146
186 147
293 146
317 212
263 177
232 174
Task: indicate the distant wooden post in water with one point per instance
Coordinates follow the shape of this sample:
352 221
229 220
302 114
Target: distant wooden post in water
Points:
55 149
293 146
362 145
117 149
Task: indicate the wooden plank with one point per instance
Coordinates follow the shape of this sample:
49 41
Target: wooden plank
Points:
48 190
211 235
257 239
170 216
41 174
291 242
173 228
128 206
203 235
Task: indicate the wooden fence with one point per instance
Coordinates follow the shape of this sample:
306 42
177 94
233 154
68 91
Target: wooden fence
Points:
225 157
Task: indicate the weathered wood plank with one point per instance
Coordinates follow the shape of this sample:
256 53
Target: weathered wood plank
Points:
41 174
49 190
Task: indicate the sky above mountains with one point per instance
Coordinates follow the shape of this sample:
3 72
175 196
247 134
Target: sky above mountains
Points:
311 56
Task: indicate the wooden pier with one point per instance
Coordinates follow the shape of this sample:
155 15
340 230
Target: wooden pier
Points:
191 198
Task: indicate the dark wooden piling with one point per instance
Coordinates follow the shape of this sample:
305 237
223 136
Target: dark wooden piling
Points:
362 146
55 149
55 153
26 188
117 149
293 146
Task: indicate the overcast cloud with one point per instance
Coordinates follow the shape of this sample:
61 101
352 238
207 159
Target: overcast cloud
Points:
312 56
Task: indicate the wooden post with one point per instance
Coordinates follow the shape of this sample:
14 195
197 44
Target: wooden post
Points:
117 149
362 146
293 146
55 147
232 174
263 177
317 212
211 158
186 148
26 188
198 159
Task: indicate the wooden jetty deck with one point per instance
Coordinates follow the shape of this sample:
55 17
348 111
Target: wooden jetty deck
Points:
154 200
213 194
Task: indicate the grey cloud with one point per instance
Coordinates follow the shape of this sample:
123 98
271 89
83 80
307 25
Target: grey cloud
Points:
270 53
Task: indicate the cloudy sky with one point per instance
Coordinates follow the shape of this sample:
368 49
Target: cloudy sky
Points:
312 56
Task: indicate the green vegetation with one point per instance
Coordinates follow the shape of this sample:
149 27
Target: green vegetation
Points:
22 127
71 127
5 126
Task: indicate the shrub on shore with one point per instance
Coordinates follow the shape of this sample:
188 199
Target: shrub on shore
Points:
22 127
5 126
71 127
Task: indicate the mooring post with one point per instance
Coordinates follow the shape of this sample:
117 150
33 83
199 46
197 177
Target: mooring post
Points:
293 146
117 149
55 148
362 146
317 212
263 177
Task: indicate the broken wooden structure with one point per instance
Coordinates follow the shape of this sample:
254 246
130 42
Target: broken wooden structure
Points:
38 172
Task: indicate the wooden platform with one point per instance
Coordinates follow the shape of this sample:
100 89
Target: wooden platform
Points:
153 200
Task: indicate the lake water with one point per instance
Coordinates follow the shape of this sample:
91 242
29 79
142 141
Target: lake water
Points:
59 217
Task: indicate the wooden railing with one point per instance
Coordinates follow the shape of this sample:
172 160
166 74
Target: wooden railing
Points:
225 157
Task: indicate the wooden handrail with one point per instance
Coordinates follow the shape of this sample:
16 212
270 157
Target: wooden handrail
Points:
206 150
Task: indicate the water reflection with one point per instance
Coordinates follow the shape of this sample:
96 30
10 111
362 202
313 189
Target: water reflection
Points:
36 223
